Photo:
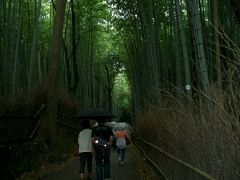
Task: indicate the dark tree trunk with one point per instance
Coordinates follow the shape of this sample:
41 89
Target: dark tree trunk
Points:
109 89
53 75
74 86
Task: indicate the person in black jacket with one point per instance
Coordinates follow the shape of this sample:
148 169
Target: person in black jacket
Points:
102 158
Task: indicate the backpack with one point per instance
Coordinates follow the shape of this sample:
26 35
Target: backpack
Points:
121 143
100 144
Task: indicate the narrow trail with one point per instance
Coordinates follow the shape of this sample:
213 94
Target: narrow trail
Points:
134 167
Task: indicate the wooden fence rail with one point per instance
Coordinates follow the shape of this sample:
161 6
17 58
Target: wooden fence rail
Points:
170 167
33 122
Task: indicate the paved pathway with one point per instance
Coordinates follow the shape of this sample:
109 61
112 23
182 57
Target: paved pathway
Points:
134 168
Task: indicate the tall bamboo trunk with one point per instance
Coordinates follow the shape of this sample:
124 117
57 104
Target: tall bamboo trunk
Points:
3 43
75 80
53 74
17 48
178 55
13 41
195 19
217 43
149 52
8 39
236 8
184 48
32 74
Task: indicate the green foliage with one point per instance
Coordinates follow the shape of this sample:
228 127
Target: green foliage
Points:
122 97
126 115
122 91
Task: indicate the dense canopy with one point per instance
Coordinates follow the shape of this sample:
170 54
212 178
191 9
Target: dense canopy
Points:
171 66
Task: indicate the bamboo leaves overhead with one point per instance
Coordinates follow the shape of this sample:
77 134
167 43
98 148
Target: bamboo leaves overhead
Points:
161 44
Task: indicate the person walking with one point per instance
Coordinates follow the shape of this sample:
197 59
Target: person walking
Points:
85 149
102 134
122 137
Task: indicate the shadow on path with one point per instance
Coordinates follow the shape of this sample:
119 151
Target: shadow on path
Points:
134 168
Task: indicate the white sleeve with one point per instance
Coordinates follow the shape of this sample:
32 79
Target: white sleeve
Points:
79 138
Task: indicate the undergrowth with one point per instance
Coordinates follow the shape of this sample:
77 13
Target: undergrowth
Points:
29 156
204 132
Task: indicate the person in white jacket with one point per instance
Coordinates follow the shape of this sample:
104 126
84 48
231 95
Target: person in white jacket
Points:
85 149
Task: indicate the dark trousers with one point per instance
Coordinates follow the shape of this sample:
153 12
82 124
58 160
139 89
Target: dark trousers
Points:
102 164
120 154
85 157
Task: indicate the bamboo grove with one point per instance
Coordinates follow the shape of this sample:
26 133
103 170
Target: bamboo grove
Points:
177 43
161 44
86 68
140 53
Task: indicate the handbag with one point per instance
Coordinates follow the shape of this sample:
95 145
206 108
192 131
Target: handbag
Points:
100 144
127 140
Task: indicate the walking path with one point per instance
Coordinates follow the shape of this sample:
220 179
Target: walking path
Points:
134 168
